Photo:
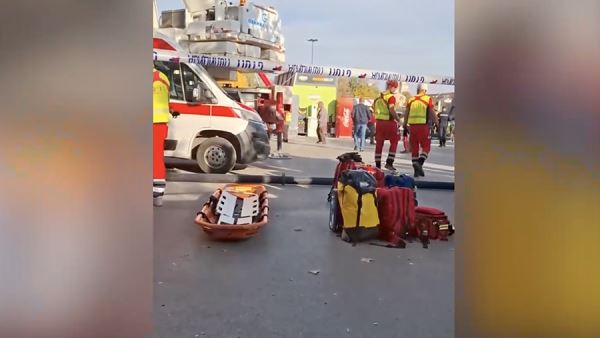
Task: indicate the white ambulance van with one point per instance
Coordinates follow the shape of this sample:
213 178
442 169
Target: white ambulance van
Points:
210 127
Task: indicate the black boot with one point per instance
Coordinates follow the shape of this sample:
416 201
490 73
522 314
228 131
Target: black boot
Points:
421 162
418 168
390 166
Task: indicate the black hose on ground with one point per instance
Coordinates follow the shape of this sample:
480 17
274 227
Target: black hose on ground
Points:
282 180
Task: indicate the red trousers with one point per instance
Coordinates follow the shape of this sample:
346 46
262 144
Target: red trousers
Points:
419 138
159 134
386 130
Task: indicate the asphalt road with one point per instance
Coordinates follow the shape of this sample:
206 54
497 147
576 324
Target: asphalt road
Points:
262 287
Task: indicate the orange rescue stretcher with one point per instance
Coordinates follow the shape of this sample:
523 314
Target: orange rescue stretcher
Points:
220 227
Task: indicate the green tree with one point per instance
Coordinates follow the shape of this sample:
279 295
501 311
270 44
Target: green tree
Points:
343 88
366 91
357 88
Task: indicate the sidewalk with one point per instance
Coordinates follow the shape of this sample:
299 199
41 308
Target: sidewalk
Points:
317 160
308 159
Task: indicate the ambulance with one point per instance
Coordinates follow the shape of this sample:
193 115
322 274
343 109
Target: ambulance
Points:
209 127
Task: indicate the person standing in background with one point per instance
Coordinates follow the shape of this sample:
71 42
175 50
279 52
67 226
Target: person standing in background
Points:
322 118
451 124
405 138
433 132
371 127
361 115
443 117
286 126
279 127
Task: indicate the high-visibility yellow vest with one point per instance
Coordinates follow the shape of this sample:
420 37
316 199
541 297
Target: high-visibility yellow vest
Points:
160 104
381 106
417 108
288 117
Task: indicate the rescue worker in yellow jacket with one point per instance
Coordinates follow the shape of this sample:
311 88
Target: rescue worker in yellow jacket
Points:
419 113
160 118
386 128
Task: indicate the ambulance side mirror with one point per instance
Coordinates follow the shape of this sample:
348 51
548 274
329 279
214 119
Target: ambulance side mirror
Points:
208 96
203 95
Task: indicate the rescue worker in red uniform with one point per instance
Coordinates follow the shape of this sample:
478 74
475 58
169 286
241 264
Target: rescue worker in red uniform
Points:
160 118
419 112
386 126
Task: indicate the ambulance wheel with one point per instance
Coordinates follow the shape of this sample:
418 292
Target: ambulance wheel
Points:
216 155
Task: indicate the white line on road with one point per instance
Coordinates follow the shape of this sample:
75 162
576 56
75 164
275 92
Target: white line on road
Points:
181 197
429 165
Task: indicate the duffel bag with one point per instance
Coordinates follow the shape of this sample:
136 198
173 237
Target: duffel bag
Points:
434 221
402 181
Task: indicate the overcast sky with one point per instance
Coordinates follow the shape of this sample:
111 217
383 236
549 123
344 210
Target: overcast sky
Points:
405 36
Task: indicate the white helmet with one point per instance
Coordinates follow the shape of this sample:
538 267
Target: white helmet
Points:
422 86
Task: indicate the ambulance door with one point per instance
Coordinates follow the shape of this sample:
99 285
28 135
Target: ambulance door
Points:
199 98
193 116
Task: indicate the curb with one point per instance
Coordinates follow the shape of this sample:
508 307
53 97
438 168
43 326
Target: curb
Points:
282 180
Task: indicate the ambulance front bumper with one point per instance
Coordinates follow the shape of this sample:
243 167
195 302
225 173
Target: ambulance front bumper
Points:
254 143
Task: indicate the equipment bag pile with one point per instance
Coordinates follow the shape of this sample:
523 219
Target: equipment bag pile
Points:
365 204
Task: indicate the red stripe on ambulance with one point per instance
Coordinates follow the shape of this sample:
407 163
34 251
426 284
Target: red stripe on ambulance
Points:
203 109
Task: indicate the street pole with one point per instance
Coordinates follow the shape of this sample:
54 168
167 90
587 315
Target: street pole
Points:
312 50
